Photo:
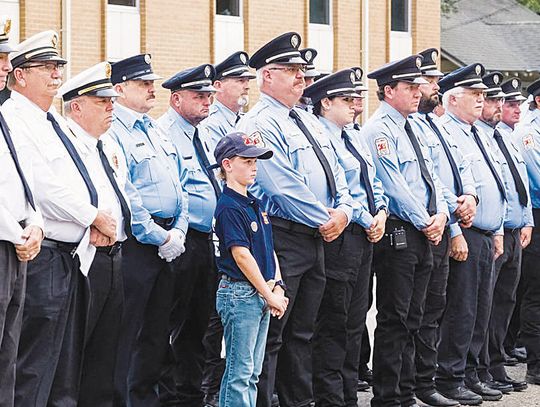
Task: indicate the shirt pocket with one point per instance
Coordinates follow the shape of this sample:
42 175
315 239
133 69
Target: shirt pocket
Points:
301 151
141 164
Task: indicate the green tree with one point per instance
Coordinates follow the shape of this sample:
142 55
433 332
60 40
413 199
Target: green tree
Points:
534 5
449 6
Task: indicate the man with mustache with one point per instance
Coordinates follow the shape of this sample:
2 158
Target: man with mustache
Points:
460 195
418 214
189 103
52 332
465 320
21 233
231 97
159 226
88 104
304 192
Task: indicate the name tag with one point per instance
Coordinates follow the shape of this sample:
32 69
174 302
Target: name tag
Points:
140 144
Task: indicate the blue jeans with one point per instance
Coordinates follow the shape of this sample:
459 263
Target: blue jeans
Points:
245 320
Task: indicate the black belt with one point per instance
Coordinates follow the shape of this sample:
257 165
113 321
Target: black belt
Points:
110 250
482 231
294 227
202 235
355 229
406 225
233 280
512 230
165 223
63 246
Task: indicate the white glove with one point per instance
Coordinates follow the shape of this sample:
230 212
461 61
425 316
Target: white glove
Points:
174 247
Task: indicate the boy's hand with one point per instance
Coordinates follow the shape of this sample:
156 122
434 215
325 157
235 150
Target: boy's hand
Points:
277 302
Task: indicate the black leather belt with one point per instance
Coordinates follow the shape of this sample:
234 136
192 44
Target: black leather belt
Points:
294 227
110 250
63 246
482 231
392 219
202 235
165 223
355 229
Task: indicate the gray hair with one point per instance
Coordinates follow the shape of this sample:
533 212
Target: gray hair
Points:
457 91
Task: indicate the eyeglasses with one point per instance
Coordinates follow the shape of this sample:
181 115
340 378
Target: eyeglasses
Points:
47 66
290 69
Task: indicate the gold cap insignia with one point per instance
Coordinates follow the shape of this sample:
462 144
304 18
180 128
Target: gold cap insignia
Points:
108 70
54 40
7 26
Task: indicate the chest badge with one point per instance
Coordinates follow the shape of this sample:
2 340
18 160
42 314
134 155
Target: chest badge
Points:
382 146
265 218
254 226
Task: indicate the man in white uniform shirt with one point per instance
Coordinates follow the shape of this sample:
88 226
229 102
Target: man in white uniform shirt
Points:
21 232
88 104
52 329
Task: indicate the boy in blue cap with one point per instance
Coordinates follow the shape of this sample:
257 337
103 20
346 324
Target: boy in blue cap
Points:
248 266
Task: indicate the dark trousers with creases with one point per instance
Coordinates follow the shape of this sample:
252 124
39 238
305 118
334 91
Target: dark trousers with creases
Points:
340 323
52 335
427 337
144 333
530 304
194 302
402 280
105 300
468 305
12 292
288 356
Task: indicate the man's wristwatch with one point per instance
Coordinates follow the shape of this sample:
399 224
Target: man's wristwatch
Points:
280 283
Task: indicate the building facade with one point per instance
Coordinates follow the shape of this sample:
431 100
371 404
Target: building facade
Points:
184 33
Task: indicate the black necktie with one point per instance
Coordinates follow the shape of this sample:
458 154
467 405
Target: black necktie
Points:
458 184
364 175
426 176
76 159
205 164
520 187
480 145
318 152
126 213
237 119
5 131
356 126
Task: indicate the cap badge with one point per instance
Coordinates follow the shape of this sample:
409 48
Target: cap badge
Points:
496 79
358 74
147 59
254 139
108 70
254 226
54 40
418 62
478 69
207 71
353 77
243 58
7 26
309 55
434 56
515 83
295 41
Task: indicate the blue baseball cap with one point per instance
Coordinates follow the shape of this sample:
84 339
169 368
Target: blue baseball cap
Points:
239 144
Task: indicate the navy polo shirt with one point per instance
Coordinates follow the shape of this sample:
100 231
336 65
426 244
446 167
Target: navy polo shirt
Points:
240 222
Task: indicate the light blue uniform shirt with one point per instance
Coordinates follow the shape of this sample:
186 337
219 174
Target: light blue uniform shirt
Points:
516 215
527 139
156 172
351 166
398 169
491 207
441 164
220 121
292 184
202 198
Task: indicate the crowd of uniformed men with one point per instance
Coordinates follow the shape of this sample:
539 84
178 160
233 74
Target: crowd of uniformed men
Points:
107 260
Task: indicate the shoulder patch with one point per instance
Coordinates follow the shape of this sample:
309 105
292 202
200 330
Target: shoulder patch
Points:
528 142
382 146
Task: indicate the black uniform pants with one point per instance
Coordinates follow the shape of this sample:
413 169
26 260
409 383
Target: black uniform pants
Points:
530 305
465 321
194 297
342 314
402 280
52 335
365 346
506 280
12 292
105 300
427 337
144 334
301 259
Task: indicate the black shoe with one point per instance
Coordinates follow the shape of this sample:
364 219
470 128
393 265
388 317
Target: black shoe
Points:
462 395
275 400
484 391
518 385
510 361
366 375
435 399
503 387
362 385
533 376
520 354
211 400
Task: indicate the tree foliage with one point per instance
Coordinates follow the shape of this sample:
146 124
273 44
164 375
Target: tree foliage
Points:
449 6
534 5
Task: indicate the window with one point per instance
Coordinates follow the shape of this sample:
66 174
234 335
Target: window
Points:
123 29
319 12
400 15
129 3
228 8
